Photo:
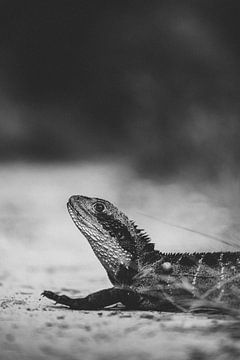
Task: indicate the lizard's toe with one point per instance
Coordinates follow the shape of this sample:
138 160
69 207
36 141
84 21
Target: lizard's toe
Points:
49 294
59 299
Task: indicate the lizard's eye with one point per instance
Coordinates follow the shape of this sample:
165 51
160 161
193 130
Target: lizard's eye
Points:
99 207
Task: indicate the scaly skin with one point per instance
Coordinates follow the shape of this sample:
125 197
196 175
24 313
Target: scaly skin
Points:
144 278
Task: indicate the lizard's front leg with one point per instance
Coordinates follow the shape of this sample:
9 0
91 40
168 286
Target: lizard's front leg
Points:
98 300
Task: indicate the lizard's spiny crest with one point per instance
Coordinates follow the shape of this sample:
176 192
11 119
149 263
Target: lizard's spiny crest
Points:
145 248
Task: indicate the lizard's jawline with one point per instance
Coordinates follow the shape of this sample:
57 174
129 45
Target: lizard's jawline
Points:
75 215
79 219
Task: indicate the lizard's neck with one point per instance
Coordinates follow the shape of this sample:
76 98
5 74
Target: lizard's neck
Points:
145 251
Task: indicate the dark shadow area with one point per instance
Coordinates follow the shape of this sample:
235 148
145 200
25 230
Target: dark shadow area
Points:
154 82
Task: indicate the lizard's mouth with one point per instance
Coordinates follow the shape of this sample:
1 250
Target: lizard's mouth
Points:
76 216
81 218
76 213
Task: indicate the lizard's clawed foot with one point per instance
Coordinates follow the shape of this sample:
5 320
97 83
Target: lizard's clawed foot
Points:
59 299
50 295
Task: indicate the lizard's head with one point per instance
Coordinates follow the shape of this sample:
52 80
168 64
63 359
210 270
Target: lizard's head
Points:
110 233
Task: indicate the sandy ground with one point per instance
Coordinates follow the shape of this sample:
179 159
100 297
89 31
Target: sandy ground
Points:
41 249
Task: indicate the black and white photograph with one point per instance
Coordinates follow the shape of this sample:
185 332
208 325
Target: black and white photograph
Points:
119 180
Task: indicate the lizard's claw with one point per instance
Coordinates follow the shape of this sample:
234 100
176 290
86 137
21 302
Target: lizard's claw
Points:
59 299
50 295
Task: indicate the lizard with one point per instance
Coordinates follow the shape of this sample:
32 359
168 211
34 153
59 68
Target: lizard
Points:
144 278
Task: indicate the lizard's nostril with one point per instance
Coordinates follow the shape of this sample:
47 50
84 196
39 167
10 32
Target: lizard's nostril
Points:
74 198
78 198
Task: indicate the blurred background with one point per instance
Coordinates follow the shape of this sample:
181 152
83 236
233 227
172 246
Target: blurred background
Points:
133 101
155 84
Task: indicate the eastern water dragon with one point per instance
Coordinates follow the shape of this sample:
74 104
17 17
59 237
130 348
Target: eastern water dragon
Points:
144 278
